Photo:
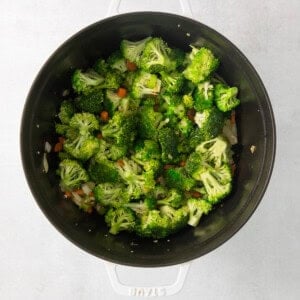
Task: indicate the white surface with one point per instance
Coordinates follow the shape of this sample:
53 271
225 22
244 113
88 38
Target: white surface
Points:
262 261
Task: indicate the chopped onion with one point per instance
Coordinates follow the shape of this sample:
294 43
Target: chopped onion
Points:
230 132
76 199
86 189
47 147
45 163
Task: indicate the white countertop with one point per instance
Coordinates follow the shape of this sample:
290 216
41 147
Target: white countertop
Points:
262 261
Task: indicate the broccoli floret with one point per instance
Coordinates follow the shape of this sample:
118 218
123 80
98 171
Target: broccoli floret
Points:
85 123
117 61
174 199
225 97
213 186
160 192
153 225
188 101
112 80
156 56
152 165
142 207
61 129
133 50
168 141
109 151
119 219
215 151
103 171
128 80
111 102
145 84
82 147
64 155
147 149
72 174
178 179
209 124
111 194
149 120
202 65
129 104
174 106
66 111
137 183
197 208
85 82
91 103
194 165
172 82
177 58
203 96
101 67
121 128
185 126
178 218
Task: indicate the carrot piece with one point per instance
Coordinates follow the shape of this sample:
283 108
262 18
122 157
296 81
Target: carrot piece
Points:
58 147
67 194
104 116
122 92
120 162
130 66
195 194
191 114
61 139
79 192
167 167
182 163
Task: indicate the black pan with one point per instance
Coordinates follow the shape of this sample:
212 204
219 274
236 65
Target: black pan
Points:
255 127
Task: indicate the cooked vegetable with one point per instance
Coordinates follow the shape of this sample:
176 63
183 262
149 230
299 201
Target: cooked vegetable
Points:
145 141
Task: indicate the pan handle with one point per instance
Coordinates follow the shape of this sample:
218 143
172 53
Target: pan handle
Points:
146 291
185 6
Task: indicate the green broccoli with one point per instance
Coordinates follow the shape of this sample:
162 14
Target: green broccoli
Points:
103 171
110 151
173 199
111 101
112 80
111 194
149 120
142 207
138 183
153 225
202 65
152 165
178 179
101 67
132 50
155 56
145 84
209 124
225 97
178 218
72 174
214 187
215 151
117 61
195 165
177 58
121 128
86 82
85 123
174 106
172 82
197 208
119 219
185 126
147 149
129 104
91 103
66 111
188 101
203 96
168 141
82 147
